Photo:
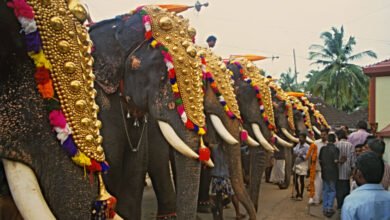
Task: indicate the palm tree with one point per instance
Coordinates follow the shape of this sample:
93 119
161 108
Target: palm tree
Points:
340 82
288 83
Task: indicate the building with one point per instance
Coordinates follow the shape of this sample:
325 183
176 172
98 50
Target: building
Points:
379 100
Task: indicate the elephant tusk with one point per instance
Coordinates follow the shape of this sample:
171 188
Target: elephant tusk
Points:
222 131
209 163
283 142
264 143
275 148
175 141
309 140
116 217
26 191
316 130
251 142
290 136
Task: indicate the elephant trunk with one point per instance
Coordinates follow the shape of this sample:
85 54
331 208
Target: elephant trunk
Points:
187 177
236 177
258 158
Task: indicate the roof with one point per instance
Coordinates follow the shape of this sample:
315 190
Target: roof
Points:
379 69
385 132
337 118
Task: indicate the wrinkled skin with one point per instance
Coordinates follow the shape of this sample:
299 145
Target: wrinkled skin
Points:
250 113
149 90
282 122
25 132
212 106
162 180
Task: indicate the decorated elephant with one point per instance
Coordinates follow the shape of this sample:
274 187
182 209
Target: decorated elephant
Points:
147 62
290 122
318 121
44 182
252 95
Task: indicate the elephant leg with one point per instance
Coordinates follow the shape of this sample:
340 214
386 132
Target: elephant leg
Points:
132 182
288 169
236 177
159 172
258 162
204 187
187 186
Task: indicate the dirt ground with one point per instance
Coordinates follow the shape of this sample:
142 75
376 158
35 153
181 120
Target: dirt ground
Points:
274 204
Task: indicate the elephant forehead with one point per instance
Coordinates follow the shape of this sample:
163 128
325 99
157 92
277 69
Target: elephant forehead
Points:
253 72
223 81
176 35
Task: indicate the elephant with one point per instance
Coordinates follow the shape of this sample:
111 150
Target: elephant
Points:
131 63
253 122
43 180
223 113
318 121
287 119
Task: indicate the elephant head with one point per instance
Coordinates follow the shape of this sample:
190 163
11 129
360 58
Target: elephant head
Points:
318 121
284 119
302 122
43 180
254 100
147 57
223 113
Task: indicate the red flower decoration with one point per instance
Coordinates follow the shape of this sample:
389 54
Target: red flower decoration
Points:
204 154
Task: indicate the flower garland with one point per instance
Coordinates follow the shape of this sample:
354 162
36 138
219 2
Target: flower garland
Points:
171 72
204 152
104 206
288 107
208 76
215 89
258 95
25 15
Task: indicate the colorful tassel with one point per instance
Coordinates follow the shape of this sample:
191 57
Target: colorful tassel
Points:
244 135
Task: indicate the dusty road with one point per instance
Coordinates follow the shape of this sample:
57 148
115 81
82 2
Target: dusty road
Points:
275 204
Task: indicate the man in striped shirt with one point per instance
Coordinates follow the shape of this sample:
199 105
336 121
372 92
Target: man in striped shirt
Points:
346 164
378 146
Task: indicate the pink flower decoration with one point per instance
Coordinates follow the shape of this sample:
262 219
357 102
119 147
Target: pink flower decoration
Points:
21 9
57 119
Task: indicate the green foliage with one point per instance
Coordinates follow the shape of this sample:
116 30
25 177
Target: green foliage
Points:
340 83
288 83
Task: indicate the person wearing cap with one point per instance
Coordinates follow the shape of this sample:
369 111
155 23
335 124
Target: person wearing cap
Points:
370 200
211 40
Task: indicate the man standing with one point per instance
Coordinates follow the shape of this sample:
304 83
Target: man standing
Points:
359 136
329 159
211 40
369 200
378 147
347 161
300 165
315 168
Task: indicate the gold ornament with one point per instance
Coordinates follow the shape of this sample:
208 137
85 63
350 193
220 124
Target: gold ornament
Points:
57 23
78 10
224 84
185 57
67 46
253 72
165 23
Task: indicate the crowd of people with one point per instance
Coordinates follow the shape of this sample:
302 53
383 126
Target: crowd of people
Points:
347 168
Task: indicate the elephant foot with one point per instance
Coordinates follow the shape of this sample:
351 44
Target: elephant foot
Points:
166 216
283 185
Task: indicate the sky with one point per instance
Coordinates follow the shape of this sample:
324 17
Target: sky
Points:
274 28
